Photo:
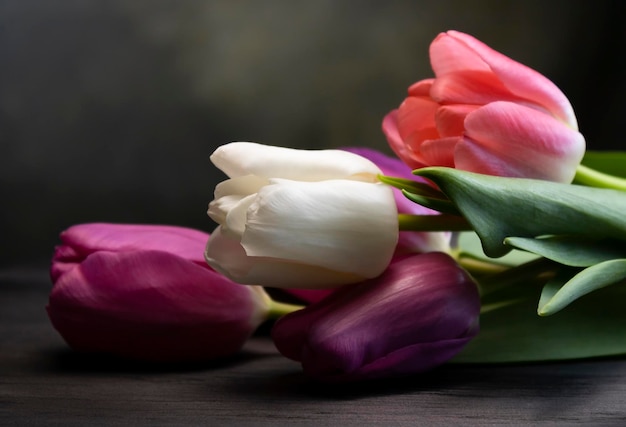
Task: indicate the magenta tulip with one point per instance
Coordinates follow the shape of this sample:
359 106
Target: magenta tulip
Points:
417 315
485 113
145 292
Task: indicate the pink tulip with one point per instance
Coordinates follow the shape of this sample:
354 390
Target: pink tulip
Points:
418 314
485 113
145 292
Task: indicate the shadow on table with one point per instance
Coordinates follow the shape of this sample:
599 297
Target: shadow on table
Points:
68 361
493 381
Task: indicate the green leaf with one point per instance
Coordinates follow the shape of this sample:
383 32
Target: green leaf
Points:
570 250
411 186
469 245
437 204
590 279
500 207
611 162
511 331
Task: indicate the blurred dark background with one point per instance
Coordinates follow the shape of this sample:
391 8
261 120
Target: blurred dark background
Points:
109 110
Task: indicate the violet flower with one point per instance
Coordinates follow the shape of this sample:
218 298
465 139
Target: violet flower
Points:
145 292
417 315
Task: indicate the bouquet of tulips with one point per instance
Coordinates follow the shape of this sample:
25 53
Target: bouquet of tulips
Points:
494 236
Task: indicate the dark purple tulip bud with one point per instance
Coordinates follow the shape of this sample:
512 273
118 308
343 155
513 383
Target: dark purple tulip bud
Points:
145 292
417 315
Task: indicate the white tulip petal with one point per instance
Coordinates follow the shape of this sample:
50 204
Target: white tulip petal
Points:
339 225
235 223
242 185
245 158
227 256
219 208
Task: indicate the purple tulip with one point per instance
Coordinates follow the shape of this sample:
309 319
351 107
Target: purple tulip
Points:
417 315
145 292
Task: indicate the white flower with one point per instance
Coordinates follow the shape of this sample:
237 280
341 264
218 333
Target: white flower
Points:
300 218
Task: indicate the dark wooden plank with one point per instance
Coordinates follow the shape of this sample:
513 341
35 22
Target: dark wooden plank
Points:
42 382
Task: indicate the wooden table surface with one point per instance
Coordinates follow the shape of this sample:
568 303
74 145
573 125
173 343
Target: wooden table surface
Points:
42 382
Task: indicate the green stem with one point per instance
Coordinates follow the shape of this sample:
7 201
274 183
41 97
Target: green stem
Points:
481 267
279 309
433 223
594 178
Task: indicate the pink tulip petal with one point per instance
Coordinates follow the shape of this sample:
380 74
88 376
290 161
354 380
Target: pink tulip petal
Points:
519 79
450 119
450 54
421 88
403 151
152 305
470 87
416 121
440 152
515 140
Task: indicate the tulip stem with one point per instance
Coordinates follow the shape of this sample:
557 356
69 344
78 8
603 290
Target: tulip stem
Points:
594 178
433 223
279 309
480 267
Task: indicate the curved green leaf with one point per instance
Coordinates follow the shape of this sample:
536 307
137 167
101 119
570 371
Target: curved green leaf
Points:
590 279
437 204
411 186
570 250
500 207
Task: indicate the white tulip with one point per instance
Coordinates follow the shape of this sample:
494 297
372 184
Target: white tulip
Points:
300 218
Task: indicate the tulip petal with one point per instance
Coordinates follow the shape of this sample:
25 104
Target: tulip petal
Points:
519 79
440 152
449 54
450 119
227 256
409 242
421 88
245 158
470 87
402 150
85 239
288 222
237 216
152 305
240 186
416 121
509 139
418 314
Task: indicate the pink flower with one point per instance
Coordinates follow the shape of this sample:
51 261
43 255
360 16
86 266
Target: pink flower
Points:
145 292
418 314
485 113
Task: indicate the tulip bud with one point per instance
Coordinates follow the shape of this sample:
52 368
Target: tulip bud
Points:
144 292
485 113
418 314
300 218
